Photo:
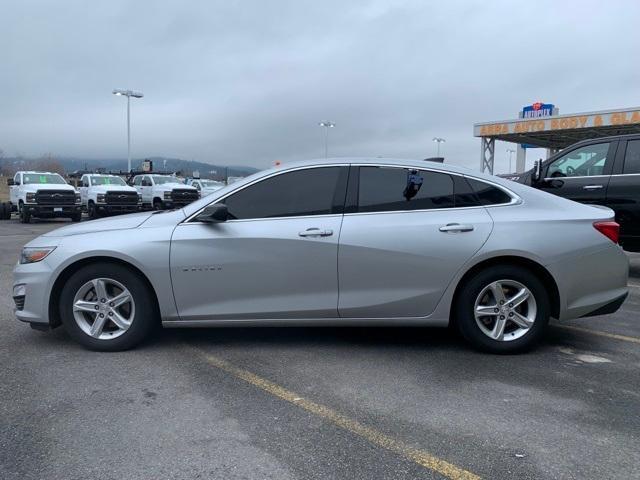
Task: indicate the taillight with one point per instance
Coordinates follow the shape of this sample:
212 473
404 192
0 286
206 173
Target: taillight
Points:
611 230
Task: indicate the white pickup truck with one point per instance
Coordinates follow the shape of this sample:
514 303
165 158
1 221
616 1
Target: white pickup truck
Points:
163 192
43 195
205 186
107 194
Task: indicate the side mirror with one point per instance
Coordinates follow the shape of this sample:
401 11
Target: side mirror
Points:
215 213
537 171
10 182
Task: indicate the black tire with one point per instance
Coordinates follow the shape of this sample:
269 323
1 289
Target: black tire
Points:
144 319
76 217
464 307
25 215
92 211
158 204
5 212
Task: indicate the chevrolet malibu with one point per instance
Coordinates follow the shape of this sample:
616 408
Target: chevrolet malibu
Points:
337 242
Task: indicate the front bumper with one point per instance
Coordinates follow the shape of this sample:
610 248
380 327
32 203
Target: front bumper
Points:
106 208
52 211
31 282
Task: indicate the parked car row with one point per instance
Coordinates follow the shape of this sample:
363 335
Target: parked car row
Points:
48 195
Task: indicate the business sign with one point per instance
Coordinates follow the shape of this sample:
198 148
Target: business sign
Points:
537 110
629 116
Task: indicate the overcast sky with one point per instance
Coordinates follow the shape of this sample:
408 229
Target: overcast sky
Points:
246 82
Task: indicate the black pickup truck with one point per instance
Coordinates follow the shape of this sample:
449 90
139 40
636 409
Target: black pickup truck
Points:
603 171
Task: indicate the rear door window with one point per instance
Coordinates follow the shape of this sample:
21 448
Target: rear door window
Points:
385 189
632 157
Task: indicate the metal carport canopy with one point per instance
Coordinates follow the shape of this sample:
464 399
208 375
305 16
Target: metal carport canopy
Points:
555 132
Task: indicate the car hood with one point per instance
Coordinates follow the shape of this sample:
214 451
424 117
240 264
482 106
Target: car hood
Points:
121 222
34 187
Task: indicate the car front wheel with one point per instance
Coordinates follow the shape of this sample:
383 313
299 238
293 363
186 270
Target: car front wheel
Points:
107 307
503 309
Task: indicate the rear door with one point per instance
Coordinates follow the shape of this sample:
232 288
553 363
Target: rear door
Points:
582 173
623 194
404 236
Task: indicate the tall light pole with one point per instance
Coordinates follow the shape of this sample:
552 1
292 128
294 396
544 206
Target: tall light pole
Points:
510 151
128 94
439 140
327 125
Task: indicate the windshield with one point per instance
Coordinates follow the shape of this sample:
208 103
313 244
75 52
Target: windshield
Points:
107 181
160 180
211 183
28 178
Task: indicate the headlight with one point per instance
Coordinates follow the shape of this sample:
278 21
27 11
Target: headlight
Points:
167 195
139 198
78 198
100 198
31 198
35 254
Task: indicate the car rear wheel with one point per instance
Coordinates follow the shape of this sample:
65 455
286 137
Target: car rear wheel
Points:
107 307
503 309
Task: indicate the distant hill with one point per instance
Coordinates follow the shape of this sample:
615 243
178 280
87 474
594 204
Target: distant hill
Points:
186 167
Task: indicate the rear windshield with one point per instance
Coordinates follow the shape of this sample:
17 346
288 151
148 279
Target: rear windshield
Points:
29 178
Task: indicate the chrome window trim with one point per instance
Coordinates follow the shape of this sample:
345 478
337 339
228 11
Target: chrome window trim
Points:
279 172
515 199
578 176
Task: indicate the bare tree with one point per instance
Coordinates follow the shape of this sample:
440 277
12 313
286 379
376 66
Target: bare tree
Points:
48 163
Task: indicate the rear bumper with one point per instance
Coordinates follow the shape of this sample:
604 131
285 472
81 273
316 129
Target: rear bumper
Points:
610 307
596 282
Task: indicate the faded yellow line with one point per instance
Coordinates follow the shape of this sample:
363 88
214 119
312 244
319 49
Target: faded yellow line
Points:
373 436
624 338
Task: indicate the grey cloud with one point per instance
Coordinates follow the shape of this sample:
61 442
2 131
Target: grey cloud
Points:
246 82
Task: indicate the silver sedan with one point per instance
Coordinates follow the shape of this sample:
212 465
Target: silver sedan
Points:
337 242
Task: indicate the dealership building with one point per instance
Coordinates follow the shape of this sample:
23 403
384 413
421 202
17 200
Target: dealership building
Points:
541 126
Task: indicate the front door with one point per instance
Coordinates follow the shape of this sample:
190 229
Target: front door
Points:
581 174
410 232
275 258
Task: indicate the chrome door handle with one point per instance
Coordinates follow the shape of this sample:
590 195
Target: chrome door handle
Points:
592 187
315 232
456 227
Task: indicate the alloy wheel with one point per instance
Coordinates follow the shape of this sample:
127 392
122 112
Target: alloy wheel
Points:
103 308
505 310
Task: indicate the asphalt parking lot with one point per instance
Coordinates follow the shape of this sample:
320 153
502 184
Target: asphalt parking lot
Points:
318 403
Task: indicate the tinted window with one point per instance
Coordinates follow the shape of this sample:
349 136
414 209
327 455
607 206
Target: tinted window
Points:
488 194
581 162
137 181
384 189
315 191
464 194
632 157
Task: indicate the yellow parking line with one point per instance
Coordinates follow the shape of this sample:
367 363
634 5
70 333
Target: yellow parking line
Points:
600 333
353 426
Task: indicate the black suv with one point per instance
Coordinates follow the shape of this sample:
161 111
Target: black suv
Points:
603 171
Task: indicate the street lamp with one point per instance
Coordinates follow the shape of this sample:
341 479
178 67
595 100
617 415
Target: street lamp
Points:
439 140
128 94
327 125
510 151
